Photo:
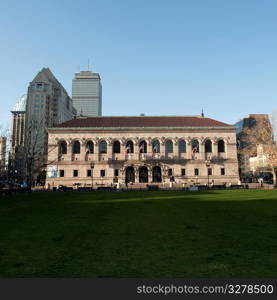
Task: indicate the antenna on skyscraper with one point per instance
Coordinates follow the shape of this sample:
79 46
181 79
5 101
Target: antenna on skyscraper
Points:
202 113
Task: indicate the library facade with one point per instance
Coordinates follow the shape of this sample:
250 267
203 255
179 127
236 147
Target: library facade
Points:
139 151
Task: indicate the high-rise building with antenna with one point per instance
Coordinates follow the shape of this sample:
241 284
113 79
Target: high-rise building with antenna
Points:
87 93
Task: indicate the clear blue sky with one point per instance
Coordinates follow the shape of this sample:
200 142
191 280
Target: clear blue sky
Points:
154 56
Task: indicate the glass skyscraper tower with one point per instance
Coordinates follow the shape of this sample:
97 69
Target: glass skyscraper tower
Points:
87 93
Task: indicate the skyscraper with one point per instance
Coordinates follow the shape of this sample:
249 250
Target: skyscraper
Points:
17 152
18 122
87 93
48 104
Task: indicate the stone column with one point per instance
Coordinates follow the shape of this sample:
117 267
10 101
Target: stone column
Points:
201 154
96 150
189 149
175 148
162 148
136 151
149 147
110 149
69 150
215 152
136 174
83 150
150 177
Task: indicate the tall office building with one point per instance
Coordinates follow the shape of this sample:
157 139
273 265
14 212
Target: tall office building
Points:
18 123
17 151
48 104
87 93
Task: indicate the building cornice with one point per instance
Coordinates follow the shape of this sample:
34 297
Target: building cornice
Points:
142 129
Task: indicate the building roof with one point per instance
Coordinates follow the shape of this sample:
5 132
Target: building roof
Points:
20 105
86 75
142 121
46 76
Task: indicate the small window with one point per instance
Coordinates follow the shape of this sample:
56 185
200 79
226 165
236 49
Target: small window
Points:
116 172
75 173
222 171
210 171
170 172
102 173
89 173
183 172
196 172
61 173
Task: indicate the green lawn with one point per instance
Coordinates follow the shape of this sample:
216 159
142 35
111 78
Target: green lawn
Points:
139 234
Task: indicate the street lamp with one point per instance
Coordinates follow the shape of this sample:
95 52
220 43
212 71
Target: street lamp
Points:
208 164
92 167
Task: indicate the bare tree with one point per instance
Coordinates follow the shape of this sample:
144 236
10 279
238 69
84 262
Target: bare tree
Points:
34 149
273 120
259 132
4 133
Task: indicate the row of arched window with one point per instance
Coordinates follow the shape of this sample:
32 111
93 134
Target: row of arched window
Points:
142 147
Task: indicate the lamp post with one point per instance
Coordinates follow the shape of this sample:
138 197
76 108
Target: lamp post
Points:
92 167
208 164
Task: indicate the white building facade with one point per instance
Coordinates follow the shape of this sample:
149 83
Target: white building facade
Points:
139 151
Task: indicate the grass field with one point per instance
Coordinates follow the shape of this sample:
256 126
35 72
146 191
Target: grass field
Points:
139 234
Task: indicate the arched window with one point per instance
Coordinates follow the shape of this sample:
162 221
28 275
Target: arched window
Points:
116 147
208 146
103 147
142 147
194 146
143 174
129 175
129 147
62 148
156 146
76 147
168 146
221 146
156 174
182 146
89 147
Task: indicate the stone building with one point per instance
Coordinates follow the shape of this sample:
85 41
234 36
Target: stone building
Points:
101 151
